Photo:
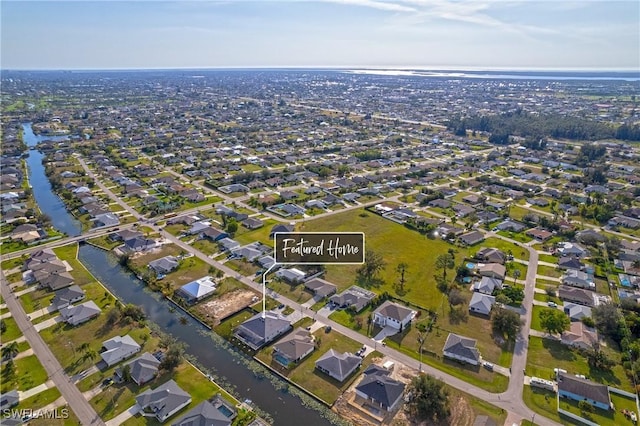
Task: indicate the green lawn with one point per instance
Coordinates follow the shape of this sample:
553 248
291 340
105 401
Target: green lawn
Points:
506 246
547 258
69 420
12 332
225 328
306 375
12 263
28 374
549 271
603 417
40 400
65 341
104 242
396 244
297 293
517 236
69 253
247 236
35 300
545 355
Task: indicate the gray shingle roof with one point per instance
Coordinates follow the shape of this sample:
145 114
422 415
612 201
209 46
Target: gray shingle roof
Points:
338 365
203 414
583 387
461 346
381 388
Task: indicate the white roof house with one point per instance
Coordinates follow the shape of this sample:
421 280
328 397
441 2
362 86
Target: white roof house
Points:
198 289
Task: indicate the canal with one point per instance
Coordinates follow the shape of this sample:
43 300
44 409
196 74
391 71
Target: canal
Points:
285 408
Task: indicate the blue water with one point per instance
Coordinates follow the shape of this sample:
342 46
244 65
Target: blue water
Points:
48 202
225 411
625 282
466 280
470 265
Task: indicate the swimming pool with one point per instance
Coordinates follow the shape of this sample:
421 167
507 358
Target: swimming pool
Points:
225 411
624 281
466 280
470 265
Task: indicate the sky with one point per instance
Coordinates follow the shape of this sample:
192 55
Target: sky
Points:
428 34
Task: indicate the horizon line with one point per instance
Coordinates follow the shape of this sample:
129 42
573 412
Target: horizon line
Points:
341 68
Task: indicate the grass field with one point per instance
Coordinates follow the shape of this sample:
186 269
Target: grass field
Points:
40 400
545 355
69 253
12 332
396 244
28 374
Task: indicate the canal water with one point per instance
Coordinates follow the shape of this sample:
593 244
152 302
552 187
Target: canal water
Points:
285 408
47 200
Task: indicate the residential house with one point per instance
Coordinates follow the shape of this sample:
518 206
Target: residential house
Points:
252 223
291 275
578 389
487 285
338 365
204 414
55 281
491 255
571 249
481 303
570 262
142 369
471 238
354 296
281 228
164 265
579 336
212 234
250 252
197 290
492 270
379 390
125 234
576 278
320 287
391 314
511 225
138 244
294 347
539 234
75 315
227 244
461 349
119 348
106 219
163 401
67 296
262 329
576 295
9 399
576 312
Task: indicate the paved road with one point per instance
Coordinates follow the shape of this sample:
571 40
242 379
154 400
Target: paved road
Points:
511 400
80 406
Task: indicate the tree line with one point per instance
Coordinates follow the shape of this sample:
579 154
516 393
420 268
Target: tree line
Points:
537 126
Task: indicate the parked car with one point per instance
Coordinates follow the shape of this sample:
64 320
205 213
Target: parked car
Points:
487 365
552 304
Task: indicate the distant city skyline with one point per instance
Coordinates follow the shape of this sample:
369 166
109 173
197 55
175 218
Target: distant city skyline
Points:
398 34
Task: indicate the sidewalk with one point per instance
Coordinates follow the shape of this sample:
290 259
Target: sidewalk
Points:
88 395
35 390
124 416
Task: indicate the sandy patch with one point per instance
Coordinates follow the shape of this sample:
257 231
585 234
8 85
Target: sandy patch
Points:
227 304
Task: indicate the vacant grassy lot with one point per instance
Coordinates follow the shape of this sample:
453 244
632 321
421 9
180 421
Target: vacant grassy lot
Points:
246 236
545 355
65 341
28 373
396 244
297 293
70 254
35 300
12 332
40 400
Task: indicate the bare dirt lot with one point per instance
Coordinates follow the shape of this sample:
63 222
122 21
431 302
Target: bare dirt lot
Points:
227 304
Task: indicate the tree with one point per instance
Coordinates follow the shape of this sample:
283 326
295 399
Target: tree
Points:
456 297
126 373
609 321
596 358
84 347
516 275
445 261
3 326
505 322
10 351
428 398
402 270
232 226
554 321
172 357
585 407
373 264
9 368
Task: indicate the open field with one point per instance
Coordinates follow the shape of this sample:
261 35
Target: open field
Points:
545 355
396 244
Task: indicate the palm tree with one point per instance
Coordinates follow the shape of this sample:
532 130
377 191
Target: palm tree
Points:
84 347
402 269
516 275
10 351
